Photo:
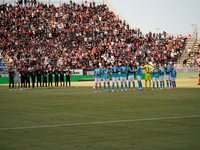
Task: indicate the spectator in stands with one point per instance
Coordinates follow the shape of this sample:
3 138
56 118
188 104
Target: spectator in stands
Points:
79 36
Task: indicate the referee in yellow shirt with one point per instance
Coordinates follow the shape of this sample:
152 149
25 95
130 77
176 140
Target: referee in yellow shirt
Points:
147 68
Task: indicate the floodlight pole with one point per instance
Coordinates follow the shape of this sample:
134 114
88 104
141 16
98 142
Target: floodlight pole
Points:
157 29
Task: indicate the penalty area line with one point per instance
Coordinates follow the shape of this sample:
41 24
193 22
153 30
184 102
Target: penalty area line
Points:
94 123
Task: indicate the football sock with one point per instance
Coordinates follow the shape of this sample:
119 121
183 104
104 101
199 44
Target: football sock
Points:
104 86
167 84
157 85
160 85
117 86
95 89
146 85
129 85
122 86
133 85
170 84
99 89
113 86
109 87
153 85
140 84
149 84
126 85
163 85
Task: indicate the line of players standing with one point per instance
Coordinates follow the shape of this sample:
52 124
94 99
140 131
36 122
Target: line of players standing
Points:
40 73
131 70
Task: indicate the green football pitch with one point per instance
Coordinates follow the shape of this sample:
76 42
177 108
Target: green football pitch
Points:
78 118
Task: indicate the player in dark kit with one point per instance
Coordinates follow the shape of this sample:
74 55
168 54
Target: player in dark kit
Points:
22 72
11 79
50 74
39 74
44 77
27 74
68 74
33 74
62 83
56 73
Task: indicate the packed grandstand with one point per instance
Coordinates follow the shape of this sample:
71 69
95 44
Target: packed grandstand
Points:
79 36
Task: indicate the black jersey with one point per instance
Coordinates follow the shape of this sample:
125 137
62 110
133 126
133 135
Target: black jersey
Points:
33 74
23 73
28 74
62 73
56 73
50 73
44 74
39 73
68 73
11 75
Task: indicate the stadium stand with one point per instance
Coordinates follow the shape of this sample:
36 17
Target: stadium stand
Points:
79 36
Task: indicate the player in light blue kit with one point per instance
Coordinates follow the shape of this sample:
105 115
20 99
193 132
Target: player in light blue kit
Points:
131 77
97 75
161 76
155 76
173 77
123 79
115 71
106 77
139 76
168 75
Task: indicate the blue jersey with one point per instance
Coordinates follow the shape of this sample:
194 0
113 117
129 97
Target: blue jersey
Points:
115 69
139 73
162 70
98 71
168 68
131 69
123 69
173 73
156 74
105 73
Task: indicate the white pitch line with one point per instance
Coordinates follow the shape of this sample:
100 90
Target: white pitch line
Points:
92 123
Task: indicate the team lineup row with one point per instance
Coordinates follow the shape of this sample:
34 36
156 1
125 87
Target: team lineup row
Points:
130 70
14 75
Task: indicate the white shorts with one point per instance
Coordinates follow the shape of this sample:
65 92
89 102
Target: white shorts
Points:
106 80
115 79
97 80
131 78
168 77
161 78
17 80
173 79
139 78
123 79
155 79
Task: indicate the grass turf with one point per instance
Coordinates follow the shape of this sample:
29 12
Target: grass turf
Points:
81 105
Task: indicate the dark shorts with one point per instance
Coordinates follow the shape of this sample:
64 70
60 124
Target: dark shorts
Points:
61 79
56 79
22 80
50 79
199 74
38 79
27 80
11 81
45 80
67 78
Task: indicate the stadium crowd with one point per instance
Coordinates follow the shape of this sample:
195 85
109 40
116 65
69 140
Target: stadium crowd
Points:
78 36
196 60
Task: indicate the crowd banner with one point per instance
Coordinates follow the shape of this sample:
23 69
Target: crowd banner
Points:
77 72
184 70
